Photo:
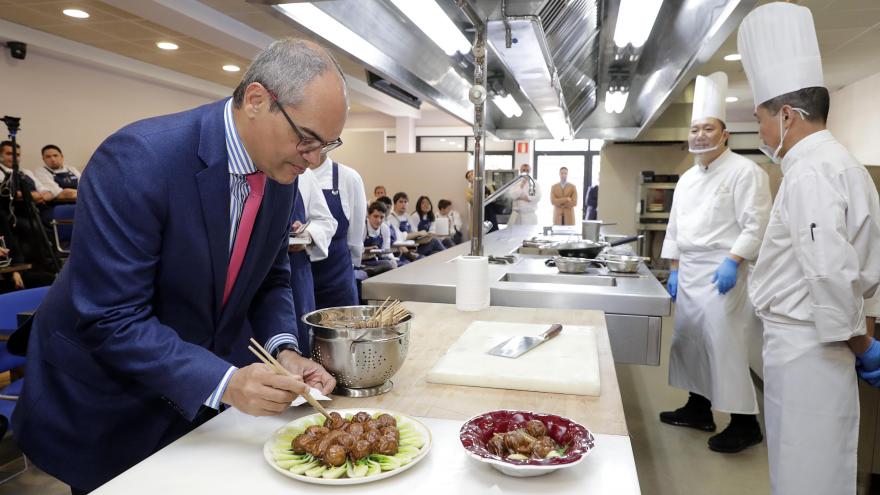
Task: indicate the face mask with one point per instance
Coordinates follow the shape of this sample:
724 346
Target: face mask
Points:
771 153
699 151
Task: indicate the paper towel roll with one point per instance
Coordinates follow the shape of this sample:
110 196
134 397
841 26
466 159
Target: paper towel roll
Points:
472 283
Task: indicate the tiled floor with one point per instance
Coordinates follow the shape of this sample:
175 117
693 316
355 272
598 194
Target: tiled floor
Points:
669 460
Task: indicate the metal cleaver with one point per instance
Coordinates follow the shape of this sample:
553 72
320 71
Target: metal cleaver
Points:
515 347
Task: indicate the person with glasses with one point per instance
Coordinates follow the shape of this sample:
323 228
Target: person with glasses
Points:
181 245
344 191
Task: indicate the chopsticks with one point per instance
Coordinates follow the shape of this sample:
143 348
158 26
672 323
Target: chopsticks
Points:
388 314
267 358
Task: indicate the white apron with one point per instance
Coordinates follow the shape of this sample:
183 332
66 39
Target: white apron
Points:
811 411
523 218
709 354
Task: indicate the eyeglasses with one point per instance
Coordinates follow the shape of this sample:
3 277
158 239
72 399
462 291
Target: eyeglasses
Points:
306 144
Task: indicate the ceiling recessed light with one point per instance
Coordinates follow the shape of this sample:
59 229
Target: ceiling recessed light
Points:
733 57
79 14
731 99
231 68
76 13
167 45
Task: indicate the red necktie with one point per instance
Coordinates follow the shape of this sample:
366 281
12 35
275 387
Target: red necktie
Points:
257 183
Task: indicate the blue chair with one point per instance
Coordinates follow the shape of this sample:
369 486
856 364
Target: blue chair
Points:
13 303
62 226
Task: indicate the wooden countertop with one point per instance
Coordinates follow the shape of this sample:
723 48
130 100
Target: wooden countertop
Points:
437 326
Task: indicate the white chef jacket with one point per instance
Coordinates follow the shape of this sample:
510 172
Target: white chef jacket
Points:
415 218
523 202
322 225
454 221
354 203
48 179
700 218
820 259
40 185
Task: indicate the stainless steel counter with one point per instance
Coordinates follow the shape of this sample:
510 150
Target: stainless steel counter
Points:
634 304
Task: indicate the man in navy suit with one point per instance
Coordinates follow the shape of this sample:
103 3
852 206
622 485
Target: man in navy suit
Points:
181 242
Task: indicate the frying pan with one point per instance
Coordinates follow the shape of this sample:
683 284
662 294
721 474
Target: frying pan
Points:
590 249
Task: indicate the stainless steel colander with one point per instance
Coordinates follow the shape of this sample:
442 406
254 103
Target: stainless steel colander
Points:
359 358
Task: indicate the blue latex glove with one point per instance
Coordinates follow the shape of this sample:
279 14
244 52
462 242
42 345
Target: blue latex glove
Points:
672 283
725 275
872 377
870 359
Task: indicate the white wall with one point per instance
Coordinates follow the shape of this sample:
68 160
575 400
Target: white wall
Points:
853 118
436 175
75 106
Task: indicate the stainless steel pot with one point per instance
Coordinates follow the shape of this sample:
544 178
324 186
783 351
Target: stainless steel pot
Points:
622 263
590 249
571 265
358 358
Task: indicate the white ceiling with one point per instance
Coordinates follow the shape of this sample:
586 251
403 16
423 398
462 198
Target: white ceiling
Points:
849 37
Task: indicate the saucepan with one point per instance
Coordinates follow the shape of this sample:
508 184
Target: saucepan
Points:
590 249
622 263
570 265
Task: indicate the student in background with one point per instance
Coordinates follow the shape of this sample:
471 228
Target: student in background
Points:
378 192
447 215
61 180
423 220
377 257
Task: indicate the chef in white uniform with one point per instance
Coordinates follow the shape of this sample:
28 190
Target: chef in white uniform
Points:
719 213
525 201
819 263
321 224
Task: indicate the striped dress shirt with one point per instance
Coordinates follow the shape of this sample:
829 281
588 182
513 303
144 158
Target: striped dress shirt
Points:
240 165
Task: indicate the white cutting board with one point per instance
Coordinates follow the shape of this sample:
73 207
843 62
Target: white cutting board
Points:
566 364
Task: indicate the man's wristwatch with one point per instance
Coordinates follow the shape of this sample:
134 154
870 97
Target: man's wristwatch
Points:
285 347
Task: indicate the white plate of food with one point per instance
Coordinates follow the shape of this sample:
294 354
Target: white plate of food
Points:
304 451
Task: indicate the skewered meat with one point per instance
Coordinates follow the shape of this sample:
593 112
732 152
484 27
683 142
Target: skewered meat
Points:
387 446
543 447
361 449
496 445
536 428
335 421
335 455
519 442
386 420
339 438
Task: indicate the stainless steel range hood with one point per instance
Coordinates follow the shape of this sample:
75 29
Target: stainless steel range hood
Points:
574 38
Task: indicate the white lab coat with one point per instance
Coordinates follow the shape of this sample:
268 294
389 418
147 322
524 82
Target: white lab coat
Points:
47 178
322 225
819 264
524 204
354 203
716 210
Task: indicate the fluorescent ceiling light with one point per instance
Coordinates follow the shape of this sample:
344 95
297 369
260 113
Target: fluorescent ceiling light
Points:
76 13
615 101
167 45
733 57
431 19
635 20
731 99
231 68
508 106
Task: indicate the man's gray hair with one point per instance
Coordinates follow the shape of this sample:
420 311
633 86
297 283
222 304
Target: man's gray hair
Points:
285 68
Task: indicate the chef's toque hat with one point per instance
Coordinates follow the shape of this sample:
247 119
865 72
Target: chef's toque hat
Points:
779 50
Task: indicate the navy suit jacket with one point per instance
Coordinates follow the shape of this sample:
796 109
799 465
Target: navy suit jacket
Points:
125 347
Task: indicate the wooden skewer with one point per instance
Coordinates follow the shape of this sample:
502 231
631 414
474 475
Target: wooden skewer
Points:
267 358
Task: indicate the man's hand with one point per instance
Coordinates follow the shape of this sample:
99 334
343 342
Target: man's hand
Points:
725 276
259 391
17 280
313 373
869 359
295 248
4 251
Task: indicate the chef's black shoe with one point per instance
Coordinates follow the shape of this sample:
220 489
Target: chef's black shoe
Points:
739 435
697 413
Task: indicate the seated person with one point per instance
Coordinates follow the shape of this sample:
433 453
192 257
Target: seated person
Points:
401 253
60 179
378 192
453 220
377 257
12 254
39 192
422 220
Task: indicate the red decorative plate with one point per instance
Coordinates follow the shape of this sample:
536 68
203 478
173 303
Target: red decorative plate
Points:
477 431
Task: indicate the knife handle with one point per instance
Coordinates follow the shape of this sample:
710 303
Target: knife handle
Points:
551 332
